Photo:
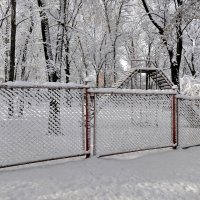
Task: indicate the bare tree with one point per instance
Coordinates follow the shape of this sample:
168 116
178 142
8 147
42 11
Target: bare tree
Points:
164 26
114 33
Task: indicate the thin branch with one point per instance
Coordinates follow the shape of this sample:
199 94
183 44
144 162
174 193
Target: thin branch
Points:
23 20
5 16
186 25
152 13
160 29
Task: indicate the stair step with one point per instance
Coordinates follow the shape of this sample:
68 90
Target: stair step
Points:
162 81
158 78
155 74
158 72
164 84
158 75
165 87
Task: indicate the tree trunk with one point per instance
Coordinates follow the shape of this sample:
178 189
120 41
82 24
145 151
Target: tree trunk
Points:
24 76
7 52
175 73
67 62
114 62
54 122
193 71
51 70
179 49
12 40
11 76
105 76
60 37
97 79
83 57
191 66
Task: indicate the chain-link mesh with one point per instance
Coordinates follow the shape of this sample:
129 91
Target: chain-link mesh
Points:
129 122
39 124
188 122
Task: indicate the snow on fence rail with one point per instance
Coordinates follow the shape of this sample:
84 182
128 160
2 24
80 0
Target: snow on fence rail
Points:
188 121
127 120
40 122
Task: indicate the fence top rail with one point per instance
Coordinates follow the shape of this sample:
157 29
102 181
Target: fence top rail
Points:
131 91
48 85
184 97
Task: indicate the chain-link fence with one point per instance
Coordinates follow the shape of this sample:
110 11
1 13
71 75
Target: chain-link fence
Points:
40 123
125 122
188 121
44 123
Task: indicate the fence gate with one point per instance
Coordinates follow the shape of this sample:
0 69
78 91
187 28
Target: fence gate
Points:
40 123
126 121
188 121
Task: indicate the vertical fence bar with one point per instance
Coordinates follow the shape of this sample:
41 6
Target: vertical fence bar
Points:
177 122
87 124
174 126
94 126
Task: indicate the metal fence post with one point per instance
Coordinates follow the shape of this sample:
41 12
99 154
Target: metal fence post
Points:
94 125
174 122
87 123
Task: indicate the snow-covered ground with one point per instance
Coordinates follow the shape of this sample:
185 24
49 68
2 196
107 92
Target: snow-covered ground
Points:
155 175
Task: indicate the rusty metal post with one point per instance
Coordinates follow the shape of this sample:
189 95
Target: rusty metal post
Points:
174 122
87 123
94 127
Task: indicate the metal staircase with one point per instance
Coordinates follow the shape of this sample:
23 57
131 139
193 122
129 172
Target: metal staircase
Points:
161 79
157 76
125 78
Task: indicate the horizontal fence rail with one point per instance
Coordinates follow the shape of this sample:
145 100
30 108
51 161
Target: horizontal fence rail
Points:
188 121
125 122
39 124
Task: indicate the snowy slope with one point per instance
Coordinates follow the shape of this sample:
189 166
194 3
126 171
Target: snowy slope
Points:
165 175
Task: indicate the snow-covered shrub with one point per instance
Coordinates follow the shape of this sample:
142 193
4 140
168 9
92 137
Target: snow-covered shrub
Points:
190 86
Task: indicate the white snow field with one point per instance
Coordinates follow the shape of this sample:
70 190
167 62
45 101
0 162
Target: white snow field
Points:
151 175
